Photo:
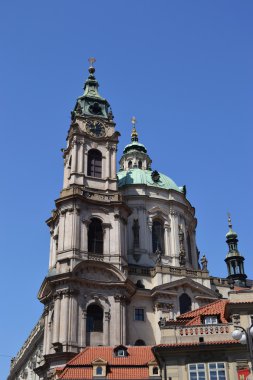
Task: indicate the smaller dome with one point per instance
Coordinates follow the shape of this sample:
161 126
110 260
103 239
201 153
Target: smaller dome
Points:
231 234
135 145
137 176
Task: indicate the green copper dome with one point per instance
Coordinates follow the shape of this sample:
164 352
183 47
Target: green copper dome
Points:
137 176
135 145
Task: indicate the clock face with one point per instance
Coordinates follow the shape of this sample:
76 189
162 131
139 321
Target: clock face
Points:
96 128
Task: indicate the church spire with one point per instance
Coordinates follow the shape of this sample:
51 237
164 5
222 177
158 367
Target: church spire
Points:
91 102
234 260
134 134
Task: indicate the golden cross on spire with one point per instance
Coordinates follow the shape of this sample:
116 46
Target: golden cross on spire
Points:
92 60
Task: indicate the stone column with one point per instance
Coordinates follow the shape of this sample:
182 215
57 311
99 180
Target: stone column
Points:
83 327
149 237
73 319
51 249
106 230
113 165
174 237
57 308
166 239
84 237
81 160
108 163
49 335
85 159
64 318
107 318
45 343
123 307
117 320
74 157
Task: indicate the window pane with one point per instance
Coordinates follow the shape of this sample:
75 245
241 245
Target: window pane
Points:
201 366
192 366
221 365
212 365
139 314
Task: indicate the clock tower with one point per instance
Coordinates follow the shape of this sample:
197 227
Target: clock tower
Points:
90 156
86 290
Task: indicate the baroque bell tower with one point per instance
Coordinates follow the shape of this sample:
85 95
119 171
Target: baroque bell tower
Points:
86 289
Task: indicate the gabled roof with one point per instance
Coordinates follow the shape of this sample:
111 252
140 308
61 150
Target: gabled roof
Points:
133 366
194 317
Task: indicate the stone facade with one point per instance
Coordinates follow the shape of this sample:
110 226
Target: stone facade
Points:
123 254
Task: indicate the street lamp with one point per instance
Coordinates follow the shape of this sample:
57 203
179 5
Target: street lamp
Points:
245 336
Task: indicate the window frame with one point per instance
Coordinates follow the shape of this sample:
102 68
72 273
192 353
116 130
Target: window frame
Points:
139 308
206 370
94 162
213 320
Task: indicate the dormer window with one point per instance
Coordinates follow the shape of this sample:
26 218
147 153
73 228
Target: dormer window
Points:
121 351
211 320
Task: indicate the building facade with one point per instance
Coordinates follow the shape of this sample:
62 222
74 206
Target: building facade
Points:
123 255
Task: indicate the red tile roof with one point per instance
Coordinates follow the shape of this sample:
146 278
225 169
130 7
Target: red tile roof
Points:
137 355
133 366
194 317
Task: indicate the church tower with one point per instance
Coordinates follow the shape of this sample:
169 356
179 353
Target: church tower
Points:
234 260
86 290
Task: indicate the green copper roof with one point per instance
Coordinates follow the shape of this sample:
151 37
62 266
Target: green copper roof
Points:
231 234
135 145
137 176
91 103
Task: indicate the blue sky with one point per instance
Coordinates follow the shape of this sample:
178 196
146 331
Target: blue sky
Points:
183 68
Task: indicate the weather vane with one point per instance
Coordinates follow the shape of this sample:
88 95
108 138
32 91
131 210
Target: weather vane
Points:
92 60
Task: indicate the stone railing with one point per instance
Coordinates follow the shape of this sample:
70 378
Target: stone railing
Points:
201 333
151 272
204 330
34 333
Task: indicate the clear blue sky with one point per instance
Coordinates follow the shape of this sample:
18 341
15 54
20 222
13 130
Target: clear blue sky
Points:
183 68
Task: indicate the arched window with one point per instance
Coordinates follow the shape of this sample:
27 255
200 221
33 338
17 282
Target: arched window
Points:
140 342
157 236
140 164
94 318
94 163
95 236
130 164
185 303
189 248
99 371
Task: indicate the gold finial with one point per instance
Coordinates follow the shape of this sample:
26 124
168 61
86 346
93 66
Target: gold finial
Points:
229 220
133 121
134 134
92 60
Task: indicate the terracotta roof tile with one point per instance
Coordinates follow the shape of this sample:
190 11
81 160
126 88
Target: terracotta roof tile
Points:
214 308
137 355
133 366
136 373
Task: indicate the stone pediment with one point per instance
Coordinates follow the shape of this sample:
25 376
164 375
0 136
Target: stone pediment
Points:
98 272
186 282
99 361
